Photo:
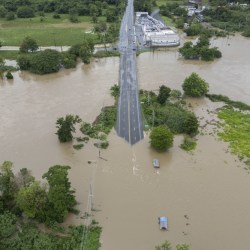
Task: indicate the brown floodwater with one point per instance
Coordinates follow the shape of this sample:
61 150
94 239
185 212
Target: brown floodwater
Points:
205 194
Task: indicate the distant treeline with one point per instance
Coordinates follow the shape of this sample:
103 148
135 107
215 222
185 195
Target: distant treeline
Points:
31 8
84 7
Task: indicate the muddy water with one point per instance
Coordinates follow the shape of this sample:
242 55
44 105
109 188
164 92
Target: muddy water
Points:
229 75
204 194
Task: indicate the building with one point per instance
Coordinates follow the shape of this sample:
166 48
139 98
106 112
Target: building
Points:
155 32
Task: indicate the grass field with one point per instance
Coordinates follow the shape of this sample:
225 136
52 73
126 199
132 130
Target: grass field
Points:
47 31
9 54
163 2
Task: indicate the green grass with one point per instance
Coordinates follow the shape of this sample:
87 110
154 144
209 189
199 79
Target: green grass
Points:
236 132
164 2
103 53
9 54
48 32
188 144
168 21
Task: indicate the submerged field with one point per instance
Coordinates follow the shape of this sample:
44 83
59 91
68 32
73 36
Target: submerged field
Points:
236 131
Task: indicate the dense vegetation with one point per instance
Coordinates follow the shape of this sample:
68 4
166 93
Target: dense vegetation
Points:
172 113
144 5
221 14
25 202
195 86
200 50
161 138
228 17
30 8
50 61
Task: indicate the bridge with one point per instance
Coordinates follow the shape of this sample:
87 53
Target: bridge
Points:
129 123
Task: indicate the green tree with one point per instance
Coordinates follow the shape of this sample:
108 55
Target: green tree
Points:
73 15
194 29
23 62
9 75
7 224
25 12
115 90
86 50
47 61
191 124
32 200
10 16
60 194
7 185
203 41
2 68
195 86
111 15
161 138
189 51
28 44
3 12
65 127
164 93
68 60
24 178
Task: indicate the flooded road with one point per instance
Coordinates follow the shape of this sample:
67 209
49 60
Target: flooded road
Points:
205 195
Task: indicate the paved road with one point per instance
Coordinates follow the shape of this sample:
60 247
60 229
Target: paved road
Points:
129 118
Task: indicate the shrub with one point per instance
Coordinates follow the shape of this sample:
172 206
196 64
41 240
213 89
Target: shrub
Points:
3 12
47 61
56 16
28 44
10 16
164 93
23 62
188 144
195 86
191 124
25 12
161 138
9 75
68 60
65 127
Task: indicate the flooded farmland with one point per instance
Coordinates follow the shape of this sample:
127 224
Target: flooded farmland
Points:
205 194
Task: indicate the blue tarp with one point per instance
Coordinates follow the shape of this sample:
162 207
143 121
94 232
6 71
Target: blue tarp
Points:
163 219
163 222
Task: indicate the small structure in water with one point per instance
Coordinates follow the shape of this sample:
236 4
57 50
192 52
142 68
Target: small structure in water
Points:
163 221
156 163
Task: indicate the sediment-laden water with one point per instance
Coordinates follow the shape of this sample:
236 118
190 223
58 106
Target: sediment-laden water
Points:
205 194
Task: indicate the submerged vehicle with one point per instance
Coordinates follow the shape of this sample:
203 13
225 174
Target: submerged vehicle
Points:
156 163
163 222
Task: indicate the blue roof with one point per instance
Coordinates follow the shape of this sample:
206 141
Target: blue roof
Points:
163 219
